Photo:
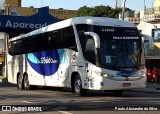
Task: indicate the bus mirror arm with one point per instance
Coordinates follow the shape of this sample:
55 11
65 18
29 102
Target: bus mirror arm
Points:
151 42
95 37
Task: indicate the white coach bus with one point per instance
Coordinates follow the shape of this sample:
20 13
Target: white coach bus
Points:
83 53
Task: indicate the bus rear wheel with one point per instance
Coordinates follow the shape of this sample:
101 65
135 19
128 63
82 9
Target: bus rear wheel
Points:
26 83
20 82
78 87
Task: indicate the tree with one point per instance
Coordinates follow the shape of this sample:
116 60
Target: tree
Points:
84 11
100 11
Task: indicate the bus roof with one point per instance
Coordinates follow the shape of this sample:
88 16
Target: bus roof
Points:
102 21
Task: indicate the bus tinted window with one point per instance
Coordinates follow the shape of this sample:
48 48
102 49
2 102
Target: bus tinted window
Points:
58 39
68 38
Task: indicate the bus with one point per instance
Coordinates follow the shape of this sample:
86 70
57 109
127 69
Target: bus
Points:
81 53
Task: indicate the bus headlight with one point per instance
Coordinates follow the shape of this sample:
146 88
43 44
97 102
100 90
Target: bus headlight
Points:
103 74
142 74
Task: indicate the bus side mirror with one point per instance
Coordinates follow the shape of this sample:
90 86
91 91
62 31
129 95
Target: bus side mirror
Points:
95 37
151 42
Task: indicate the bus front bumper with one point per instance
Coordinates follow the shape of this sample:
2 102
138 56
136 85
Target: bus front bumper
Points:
108 84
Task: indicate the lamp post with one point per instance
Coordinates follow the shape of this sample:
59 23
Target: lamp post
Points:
144 5
154 9
153 4
123 10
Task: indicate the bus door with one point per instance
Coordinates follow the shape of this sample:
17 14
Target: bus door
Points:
83 64
77 63
90 56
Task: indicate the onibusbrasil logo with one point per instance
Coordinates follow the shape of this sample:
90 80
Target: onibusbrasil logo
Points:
45 62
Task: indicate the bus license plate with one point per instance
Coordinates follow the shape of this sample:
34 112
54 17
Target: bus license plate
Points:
126 85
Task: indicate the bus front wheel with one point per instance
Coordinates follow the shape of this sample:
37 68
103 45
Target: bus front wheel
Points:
78 87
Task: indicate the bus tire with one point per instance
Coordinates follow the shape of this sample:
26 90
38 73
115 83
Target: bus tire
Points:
118 92
20 82
26 82
78 86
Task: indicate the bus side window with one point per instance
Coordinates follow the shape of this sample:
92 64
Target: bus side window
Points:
68 39
89 51
62 38
54 40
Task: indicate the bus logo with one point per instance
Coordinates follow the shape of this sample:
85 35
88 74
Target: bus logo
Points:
47 60
127 78
45 63
125 73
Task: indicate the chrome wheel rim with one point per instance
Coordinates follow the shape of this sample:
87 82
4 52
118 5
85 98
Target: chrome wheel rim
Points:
78 86
26 83
20 81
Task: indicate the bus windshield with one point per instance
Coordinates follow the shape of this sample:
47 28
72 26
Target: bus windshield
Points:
120 47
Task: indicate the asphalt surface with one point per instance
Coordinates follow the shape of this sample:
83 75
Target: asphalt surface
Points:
52 100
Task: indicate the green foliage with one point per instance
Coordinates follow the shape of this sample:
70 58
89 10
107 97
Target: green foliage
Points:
100 11
84 11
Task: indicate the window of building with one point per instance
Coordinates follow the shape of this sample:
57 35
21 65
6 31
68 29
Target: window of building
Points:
156 34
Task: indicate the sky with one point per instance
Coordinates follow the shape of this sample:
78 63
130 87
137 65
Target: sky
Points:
76 4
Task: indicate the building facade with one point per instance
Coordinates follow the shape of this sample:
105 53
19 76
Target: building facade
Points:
148 22
13 7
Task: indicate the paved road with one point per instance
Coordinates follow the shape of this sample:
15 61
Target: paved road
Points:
64 102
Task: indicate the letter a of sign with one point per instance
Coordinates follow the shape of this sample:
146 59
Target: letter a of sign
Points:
8 24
